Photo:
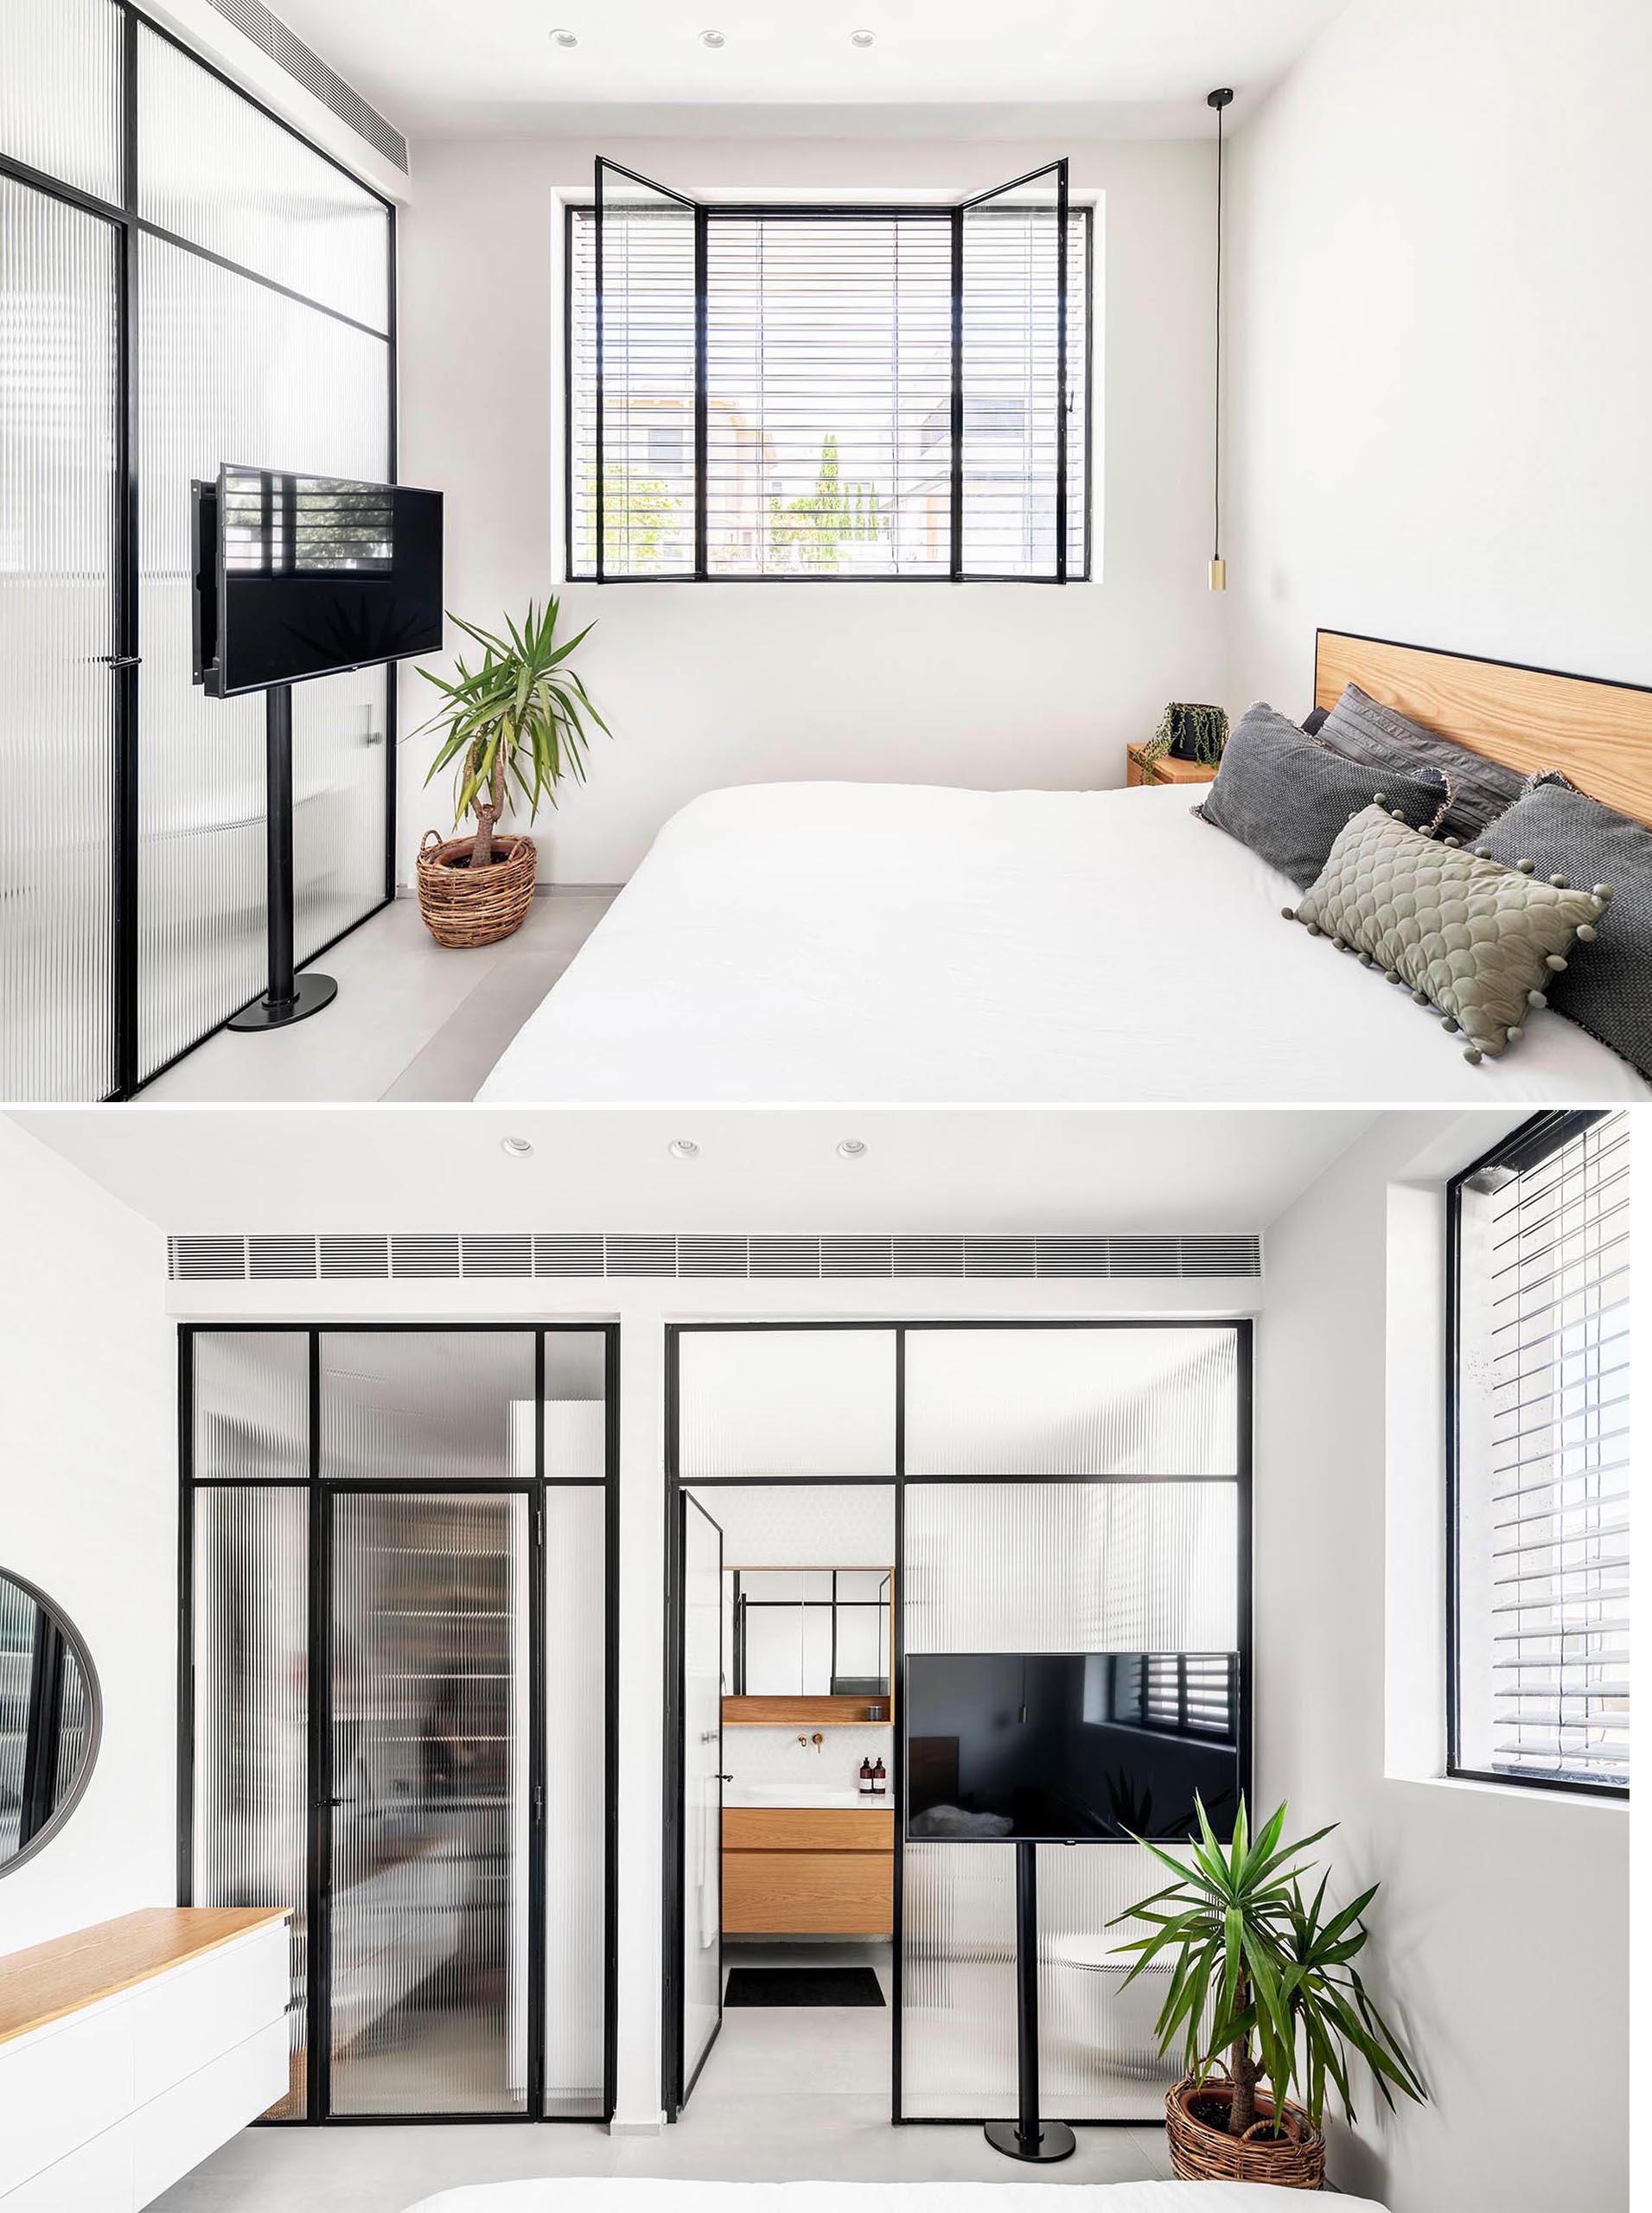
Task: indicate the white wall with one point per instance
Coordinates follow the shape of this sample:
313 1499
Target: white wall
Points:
1500 1932
88 1511
1439 324
706 685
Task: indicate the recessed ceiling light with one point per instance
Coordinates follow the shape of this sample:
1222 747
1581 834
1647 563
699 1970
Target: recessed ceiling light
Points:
564 38
714 39
683 1148
853 1148
516 1148
863 38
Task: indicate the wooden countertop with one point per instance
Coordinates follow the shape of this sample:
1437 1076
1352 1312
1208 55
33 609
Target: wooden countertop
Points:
50 1980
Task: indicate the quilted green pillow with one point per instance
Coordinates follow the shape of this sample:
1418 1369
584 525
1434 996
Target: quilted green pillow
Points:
1474 940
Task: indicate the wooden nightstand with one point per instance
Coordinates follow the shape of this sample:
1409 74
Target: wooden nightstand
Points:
1164 770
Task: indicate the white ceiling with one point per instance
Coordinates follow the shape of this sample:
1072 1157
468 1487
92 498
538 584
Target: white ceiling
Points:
440 68
983 1173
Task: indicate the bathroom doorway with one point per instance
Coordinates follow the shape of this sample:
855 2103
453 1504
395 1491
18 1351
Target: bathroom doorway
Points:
782 1862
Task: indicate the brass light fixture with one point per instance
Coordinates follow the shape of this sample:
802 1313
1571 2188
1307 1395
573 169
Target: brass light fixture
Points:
1219 99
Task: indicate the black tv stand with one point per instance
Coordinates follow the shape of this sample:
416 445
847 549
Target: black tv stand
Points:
1026 2137
290 997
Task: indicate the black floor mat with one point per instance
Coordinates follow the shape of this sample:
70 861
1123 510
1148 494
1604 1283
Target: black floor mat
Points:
802 1987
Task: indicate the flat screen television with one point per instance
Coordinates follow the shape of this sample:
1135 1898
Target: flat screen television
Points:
298 576
1069 1747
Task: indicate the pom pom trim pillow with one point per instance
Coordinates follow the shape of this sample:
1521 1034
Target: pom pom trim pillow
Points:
1476 942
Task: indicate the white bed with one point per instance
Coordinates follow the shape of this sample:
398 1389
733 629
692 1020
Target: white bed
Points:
556 2195
901 943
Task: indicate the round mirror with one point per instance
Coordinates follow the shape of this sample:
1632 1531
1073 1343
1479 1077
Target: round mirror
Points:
51 1717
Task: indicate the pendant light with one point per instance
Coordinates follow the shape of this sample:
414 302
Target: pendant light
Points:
1219 101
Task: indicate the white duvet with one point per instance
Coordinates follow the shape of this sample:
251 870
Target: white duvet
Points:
877 943
556 2195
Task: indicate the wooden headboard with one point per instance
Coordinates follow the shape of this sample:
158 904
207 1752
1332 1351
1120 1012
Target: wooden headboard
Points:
1598 734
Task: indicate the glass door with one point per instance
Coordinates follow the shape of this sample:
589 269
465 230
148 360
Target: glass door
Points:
427 1882
702 1706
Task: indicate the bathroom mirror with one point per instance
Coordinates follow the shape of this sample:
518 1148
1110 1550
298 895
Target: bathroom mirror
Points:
807 1632
51 1717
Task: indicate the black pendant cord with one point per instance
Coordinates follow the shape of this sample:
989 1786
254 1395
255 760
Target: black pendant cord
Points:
1219 101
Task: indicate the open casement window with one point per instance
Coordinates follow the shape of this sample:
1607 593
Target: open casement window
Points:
645 519
825 393
1538 1644
1010 381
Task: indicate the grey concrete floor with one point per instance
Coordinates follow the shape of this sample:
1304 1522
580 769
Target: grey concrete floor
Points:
786 2095
413 1020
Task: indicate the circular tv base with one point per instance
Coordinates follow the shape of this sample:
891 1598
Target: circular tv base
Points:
310 994
1054 2140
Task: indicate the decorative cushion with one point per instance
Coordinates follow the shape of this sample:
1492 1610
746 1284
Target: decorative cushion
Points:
1477 942
1286 797
1361 728
1566 835
1314 721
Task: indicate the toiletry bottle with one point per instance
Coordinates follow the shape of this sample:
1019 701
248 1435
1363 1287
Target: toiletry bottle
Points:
866 1778
880 1781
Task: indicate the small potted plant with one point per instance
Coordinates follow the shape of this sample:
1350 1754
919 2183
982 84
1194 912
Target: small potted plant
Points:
1266 1978
518 720
1189 731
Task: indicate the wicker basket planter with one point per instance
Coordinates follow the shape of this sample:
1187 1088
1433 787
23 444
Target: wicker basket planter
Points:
1295 2161
465 906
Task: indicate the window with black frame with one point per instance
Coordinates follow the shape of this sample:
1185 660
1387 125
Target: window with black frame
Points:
1539 1574
825 394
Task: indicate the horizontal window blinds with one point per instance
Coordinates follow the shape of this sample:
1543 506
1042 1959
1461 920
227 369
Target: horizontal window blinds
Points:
828 382
643 271
1542 1477
827 396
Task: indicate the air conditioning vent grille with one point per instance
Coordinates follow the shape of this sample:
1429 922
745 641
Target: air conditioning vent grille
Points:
305 66
522 1256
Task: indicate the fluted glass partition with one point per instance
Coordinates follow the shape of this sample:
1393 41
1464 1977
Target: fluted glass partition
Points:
400 1712
210 289
786 1402
435 1405
576 1610
60 90
252 1406
251 1729
232 371
230 178
57 758
1080 1401
1148 1560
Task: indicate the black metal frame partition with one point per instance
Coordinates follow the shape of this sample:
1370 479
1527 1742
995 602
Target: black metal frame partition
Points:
674 2091
128 225
704 214
317 1489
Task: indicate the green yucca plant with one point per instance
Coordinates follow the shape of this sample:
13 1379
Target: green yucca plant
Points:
520 718
1262 1976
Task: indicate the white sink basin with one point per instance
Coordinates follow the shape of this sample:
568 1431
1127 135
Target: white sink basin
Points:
792 1793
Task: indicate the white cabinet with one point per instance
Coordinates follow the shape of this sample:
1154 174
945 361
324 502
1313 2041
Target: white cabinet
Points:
130 2052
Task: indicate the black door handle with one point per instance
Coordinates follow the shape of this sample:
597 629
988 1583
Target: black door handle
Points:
121 661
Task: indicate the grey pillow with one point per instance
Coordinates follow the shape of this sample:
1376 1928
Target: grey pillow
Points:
1478 942
1563 833
1286 797
1362 729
